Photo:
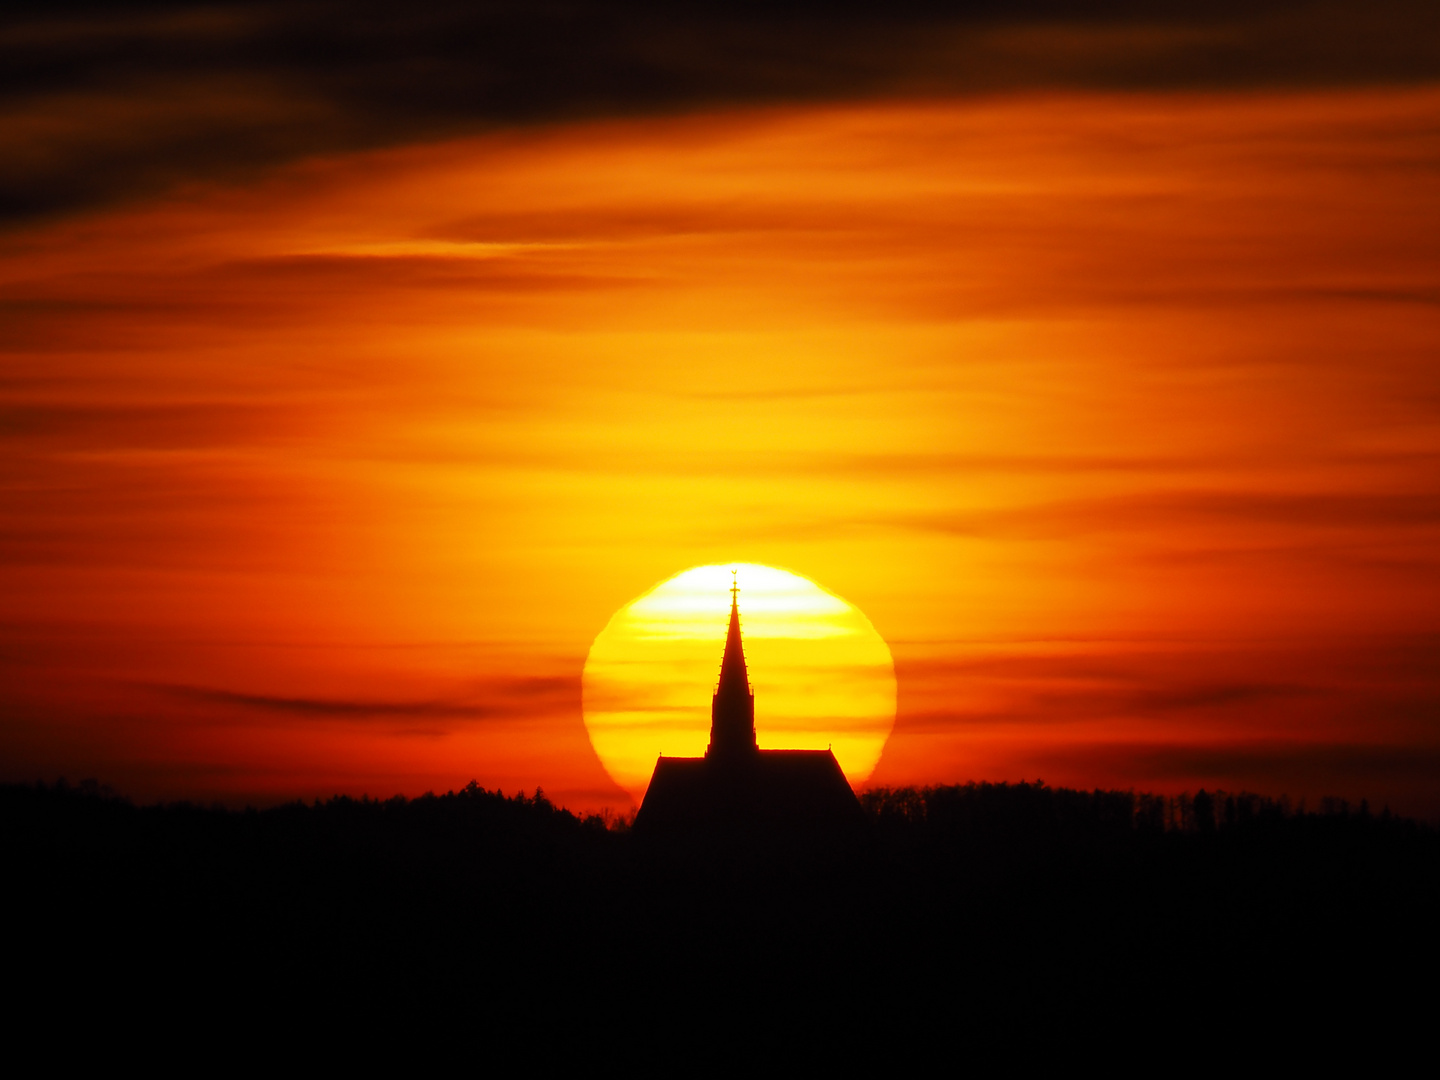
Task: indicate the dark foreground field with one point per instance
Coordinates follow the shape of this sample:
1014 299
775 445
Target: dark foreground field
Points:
959 912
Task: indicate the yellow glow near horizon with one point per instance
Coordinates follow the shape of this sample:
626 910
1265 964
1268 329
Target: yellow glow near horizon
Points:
821 674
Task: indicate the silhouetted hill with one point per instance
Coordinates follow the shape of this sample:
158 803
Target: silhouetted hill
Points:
965 906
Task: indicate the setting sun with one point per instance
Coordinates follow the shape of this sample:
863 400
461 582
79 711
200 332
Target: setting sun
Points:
821 674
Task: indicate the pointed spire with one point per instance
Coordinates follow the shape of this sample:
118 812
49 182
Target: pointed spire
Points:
732 709
734 677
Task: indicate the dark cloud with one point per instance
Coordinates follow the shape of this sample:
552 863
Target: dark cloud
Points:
1385 685
99 102
1082 704
495 699
311 277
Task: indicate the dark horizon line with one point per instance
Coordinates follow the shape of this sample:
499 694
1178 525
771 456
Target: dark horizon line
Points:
1174 807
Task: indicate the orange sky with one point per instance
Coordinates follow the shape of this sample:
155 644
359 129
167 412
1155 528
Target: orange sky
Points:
1117 414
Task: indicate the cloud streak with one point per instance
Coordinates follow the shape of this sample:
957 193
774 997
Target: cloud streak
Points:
502 699
1172 510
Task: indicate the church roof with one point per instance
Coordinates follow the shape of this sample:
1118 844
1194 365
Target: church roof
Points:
776 792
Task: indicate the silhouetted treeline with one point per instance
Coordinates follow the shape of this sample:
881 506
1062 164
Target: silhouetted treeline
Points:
1033 810
958 905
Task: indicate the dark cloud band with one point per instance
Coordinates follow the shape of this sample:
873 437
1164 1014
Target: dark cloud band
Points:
99 103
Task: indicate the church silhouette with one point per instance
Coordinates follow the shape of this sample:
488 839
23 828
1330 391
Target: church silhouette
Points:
737 788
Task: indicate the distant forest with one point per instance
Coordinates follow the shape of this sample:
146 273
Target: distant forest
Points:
996 900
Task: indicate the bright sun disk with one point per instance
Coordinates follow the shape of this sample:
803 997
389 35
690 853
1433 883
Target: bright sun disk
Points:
821 674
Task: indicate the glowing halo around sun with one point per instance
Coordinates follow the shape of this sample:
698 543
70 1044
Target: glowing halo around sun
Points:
821 674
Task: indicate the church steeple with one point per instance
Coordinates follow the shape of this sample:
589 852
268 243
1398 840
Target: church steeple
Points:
732 709
738 792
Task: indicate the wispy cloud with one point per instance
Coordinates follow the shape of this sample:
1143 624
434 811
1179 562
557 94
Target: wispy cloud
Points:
1170 510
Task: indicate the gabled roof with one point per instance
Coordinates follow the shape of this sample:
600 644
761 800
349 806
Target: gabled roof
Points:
775 791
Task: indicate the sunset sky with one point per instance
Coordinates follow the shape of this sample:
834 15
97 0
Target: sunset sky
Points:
359 362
